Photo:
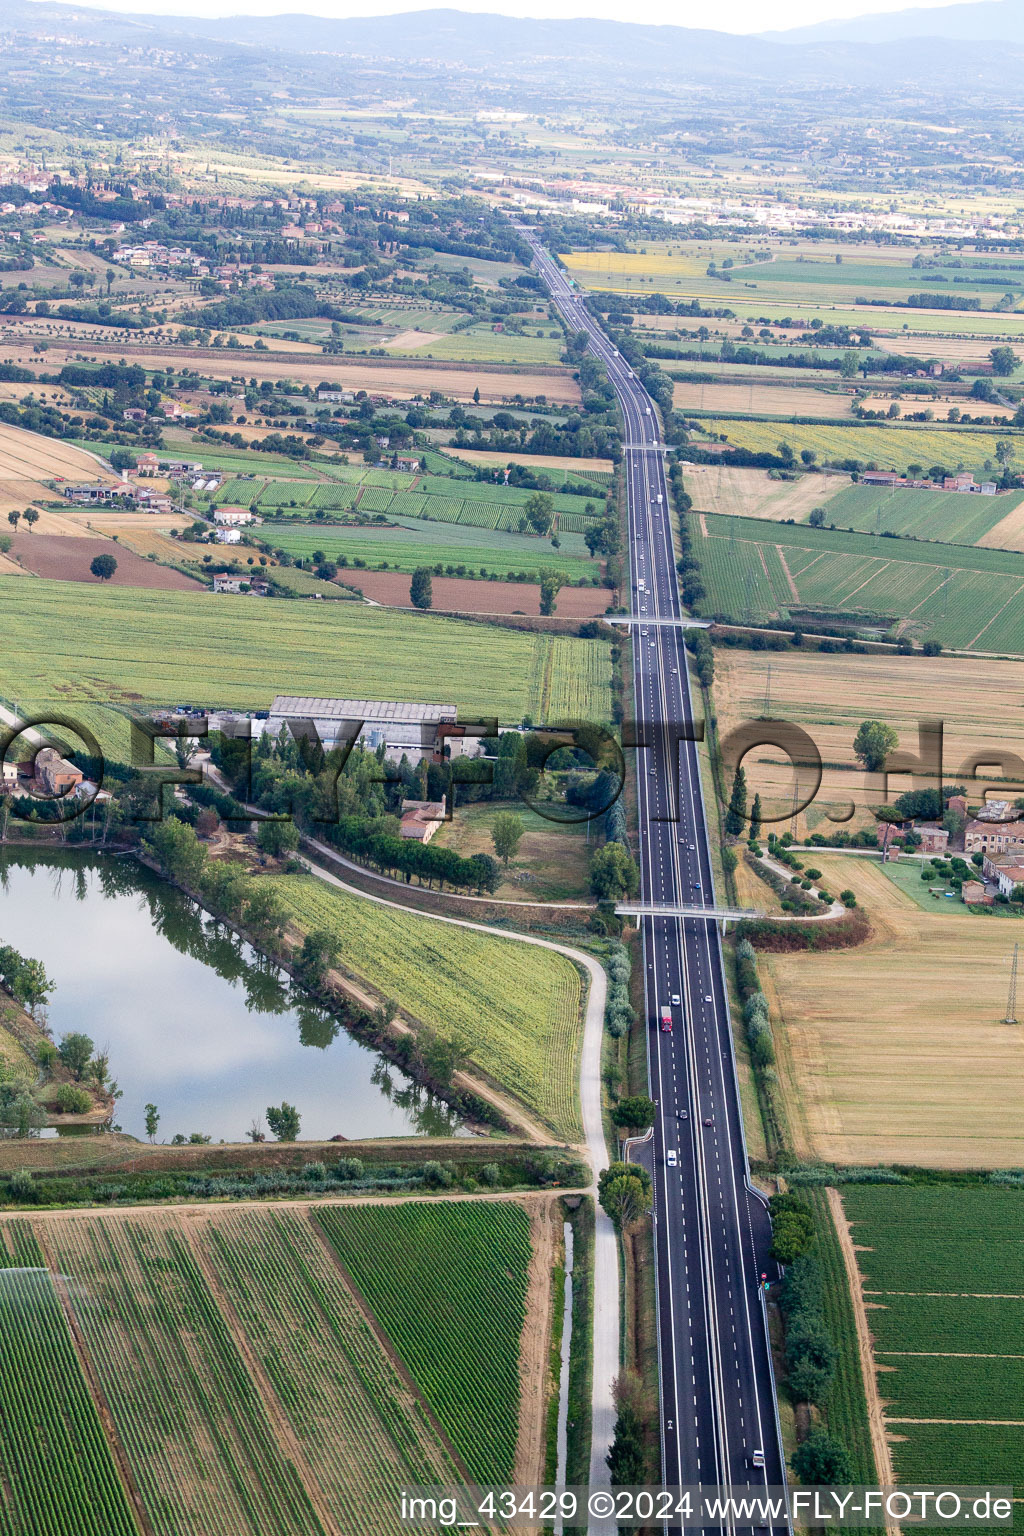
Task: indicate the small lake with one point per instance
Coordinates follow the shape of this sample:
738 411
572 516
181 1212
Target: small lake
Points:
194 1020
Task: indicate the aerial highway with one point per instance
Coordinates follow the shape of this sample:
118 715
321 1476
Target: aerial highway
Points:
719 1422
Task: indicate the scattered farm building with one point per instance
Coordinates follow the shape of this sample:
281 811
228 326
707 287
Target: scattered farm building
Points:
1006 869
232 517
993 837
422 818
229 536
934 837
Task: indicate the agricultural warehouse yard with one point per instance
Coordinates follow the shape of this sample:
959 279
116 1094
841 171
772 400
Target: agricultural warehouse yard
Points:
941 1284
269 1368
896 1051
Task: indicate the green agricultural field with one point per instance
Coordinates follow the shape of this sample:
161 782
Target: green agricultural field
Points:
481 344
964 597
58 1473
943 1272
362 1432
132 647
280 1371
945 516
195 1430
888 447
455 1316
515 1006
415 543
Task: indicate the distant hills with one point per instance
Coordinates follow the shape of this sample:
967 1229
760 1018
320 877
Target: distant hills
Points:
984 21
933 50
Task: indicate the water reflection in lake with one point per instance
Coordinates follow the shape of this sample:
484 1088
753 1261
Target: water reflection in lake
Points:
195 1021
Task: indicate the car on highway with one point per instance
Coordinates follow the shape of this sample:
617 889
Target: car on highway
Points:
672 1158
708 1120
708 998
757 1460
681 1114
676 1000
696 885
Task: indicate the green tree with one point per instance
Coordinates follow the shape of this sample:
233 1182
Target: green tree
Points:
277 837
264 911
634 1114
539 511
551 583
736 816
873 743
320 950
1004 361
284 1121
625 1200
506 834
421 588
14 518
103 567
822 1460
613 874
152 1121
75 1051
31 516
755 819
817 518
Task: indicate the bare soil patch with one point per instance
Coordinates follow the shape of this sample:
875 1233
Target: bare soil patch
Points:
60 558
752 493
455 595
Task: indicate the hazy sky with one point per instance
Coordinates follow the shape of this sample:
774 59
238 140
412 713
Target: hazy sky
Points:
727 15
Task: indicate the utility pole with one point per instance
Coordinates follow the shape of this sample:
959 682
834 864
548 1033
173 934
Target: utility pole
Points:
1011 1001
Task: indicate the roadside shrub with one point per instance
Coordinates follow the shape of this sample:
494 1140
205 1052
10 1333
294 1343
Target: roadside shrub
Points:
847 898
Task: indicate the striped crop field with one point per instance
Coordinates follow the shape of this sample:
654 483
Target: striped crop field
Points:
516 1006
261 1370
471 1265
59 1476
404 548
947 517
965 597
194 1427
132 647
943 1274
362 1432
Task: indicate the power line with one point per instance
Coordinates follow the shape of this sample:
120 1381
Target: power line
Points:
1011 1000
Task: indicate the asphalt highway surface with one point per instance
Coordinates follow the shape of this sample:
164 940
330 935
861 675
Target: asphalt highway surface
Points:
719 1423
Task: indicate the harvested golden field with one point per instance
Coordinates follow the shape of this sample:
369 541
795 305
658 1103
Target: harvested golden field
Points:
948 349
28 461
1008 533
896 1052
829 696
762 399
752 492
396 378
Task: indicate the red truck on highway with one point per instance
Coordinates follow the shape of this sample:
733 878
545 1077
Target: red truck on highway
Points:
666 1019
